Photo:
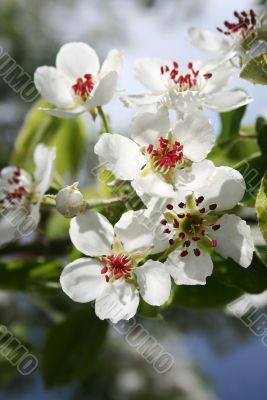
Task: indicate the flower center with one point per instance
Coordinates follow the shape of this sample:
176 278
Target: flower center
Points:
116 267
15 193
84 86
246 22
183 82
191 226
166 156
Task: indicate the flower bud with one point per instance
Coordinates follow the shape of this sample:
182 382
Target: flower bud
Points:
70 201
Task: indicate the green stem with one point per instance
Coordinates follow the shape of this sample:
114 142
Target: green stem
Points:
104 119
105 202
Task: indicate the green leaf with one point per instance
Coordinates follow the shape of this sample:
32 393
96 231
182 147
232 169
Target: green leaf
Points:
57 227
252 170
213 294
230 124
261 129
261 207
255 70
72 347
252 279
69 137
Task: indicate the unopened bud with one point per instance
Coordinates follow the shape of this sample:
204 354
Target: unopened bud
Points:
70 201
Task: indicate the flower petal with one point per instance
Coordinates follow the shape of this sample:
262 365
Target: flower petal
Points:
221 74
226 188
76 59
154 282
134 232
147 127
92 234
120 155
104 91
191 269
64 113
227 100
234 239
7 174
82 281
53 87
153 184
147 72
119 301
207 40
8 231
113 62
44 159
141 99
195 177
196 134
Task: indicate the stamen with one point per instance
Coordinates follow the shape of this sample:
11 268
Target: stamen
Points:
84 86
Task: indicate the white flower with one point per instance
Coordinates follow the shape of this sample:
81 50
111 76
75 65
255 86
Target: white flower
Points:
112 276
161 159
20 195
235 38
202 85
191 227
78 83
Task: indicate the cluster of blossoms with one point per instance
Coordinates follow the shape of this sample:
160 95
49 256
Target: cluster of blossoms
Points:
184 194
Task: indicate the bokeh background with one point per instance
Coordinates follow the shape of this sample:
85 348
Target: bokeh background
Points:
216 355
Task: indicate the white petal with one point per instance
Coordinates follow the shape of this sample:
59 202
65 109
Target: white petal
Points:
82 281
147 72
142 99
134 231
53 87
104 91
185 102
77 59
119 301
227 100
196 134
207 40
195 177
44 159
113 62
120 155
191 269
221 74
8 231
147 127
92 234
153 184
154 282
226 188
234 239
64 113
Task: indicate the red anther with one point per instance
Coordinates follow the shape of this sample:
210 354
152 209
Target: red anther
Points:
181 205
164 222
149 148
197 252
213 243
171 241
169 206
213 206
184 253
104 270
162 70
175 223
107 278
216 227
167 231
175 65
181 235
203 232
195 238
187 243
189 215
202 210
199 199
180 215
83 87
190 65
208 75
